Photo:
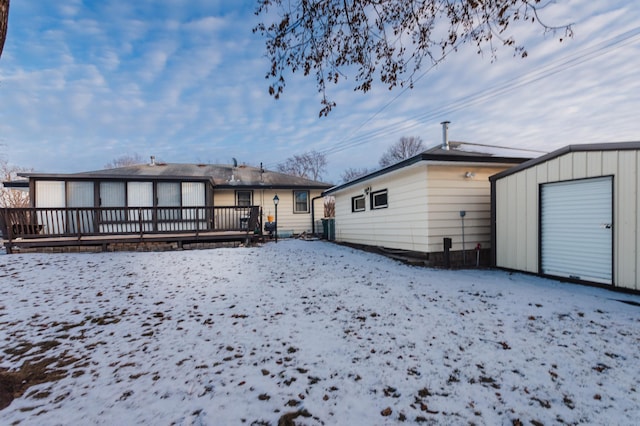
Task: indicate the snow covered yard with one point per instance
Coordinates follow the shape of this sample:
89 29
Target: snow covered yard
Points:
306 332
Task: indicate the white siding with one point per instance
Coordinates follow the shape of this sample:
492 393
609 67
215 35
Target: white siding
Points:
425 201
624 166
402 225
288 221
449 192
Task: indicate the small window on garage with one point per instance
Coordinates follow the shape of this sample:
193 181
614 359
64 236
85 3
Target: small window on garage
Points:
301 201
357 204
244 198
379 199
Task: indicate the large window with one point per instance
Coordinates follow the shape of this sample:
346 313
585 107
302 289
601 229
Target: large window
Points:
301 201
244 198
357 203
379 199
169 196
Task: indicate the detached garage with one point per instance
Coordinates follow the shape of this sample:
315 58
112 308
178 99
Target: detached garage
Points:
572 214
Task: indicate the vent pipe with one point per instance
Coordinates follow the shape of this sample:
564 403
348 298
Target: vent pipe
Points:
153 160
445 135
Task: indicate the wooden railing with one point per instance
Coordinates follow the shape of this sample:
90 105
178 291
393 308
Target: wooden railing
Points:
79 222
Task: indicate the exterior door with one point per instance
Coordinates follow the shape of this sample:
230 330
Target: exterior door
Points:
577 229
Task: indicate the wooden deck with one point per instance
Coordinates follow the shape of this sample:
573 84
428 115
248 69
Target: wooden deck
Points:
38 228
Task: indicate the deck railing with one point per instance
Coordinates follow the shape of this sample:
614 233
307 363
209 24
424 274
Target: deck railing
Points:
93 221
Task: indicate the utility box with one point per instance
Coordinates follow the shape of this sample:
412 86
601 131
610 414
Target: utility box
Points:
329 229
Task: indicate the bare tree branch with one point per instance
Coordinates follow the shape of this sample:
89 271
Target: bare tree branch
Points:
310 165
405 148
12 197
4 22
124 160
383 39
354 173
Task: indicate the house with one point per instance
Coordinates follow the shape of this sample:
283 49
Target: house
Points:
573 214
421 204
163 202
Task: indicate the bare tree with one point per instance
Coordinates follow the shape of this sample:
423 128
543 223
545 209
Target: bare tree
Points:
4 22
405 148
329 206
353 173
124 160
310 165
12 197
387 38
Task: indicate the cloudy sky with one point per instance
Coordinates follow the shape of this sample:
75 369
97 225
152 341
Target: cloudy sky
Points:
83 82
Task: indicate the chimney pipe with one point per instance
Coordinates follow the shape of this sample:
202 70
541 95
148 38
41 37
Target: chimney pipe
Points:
445 135
153 160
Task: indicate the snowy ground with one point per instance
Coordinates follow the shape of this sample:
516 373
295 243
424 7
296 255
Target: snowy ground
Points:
248 335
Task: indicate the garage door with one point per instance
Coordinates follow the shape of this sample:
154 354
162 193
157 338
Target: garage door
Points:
576 229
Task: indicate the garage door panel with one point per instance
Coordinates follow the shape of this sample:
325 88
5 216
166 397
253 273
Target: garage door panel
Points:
576 231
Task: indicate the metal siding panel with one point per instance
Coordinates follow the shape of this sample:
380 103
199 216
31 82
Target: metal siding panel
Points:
575 240
626 230
502 242
636 283
531 221
521 220
579 165
594 163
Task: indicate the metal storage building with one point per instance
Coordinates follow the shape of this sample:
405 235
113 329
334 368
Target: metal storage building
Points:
571 214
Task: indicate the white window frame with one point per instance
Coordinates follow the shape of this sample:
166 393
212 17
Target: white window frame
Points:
295 202
355 200
375 204
238 192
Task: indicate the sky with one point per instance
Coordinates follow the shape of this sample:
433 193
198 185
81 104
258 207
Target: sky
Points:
84 82
236 336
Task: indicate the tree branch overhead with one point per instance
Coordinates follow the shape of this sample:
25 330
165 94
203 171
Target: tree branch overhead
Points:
385 40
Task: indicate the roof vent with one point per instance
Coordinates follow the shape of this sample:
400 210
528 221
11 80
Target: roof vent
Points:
153 160
445 135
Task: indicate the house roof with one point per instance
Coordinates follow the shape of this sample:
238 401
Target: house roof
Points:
220 176
16 184
457 154
611 146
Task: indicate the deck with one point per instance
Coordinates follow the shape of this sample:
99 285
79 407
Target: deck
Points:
28 228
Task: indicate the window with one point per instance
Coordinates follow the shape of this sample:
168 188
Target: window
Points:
244 198
301 201
357 203
168 196
379 199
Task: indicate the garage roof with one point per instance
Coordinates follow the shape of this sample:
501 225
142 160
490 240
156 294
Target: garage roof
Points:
611 146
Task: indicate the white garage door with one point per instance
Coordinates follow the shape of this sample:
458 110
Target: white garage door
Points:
576 229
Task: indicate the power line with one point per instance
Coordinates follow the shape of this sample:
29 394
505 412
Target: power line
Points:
553 68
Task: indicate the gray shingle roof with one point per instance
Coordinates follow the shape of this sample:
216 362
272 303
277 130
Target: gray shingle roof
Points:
219 175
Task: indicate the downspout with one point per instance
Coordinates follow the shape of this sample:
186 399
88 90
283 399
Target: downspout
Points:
313 216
